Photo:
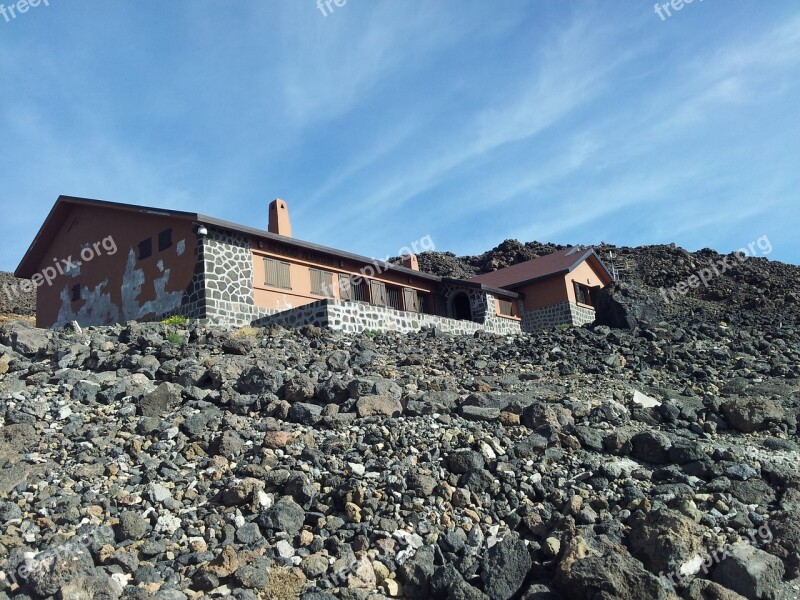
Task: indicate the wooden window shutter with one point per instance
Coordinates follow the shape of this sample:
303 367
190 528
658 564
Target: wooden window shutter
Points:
410 300
378 290
277 273
345 287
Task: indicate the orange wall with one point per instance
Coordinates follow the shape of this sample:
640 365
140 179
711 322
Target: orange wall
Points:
558 289
300 294
584 274
545 292
114 287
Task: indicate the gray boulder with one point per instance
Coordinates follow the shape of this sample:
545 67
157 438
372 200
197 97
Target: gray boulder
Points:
750 572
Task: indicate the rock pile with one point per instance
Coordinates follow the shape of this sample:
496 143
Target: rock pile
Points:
152 461
755 283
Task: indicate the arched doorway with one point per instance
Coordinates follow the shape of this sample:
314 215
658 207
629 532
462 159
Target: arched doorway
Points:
462 310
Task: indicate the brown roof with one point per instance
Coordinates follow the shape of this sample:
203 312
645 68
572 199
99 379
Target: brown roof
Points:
550 265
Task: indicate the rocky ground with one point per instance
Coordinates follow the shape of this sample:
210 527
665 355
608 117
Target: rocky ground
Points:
13 300
654 460
154 461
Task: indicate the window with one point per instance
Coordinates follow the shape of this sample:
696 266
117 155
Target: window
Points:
277 273
393 296
506 308
411 300
425 304
353 288
164 240
377 291
321 283
76 292
145 248
583 294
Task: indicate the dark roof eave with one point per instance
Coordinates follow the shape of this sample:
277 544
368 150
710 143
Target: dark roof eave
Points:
30 261
214 222
481 286
583 257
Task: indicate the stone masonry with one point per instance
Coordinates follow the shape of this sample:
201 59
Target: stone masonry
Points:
227 265
563 313
355 317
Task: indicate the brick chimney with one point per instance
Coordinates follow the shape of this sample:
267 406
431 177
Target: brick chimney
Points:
409 261
279 218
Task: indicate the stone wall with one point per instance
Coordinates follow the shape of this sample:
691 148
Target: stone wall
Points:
227 267
355 317
581 315
564 313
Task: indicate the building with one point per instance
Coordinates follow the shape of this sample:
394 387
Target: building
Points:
554 289
98 263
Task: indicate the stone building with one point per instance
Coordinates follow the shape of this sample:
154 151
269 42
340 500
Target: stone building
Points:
98 263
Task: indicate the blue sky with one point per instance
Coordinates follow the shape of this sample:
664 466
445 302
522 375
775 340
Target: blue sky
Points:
385 121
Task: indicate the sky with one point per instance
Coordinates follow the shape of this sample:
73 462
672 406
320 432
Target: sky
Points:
382 122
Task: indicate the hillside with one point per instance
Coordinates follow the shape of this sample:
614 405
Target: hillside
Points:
186 462
14 301
753 284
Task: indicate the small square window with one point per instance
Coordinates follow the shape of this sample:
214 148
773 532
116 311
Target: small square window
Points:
76 292
164 240
145 248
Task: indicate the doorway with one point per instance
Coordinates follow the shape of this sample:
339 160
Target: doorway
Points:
462 310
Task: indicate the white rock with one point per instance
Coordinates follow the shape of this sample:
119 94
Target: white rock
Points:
264 499
158 493
168 523
643 400
487 451
357 469
285 549
409 540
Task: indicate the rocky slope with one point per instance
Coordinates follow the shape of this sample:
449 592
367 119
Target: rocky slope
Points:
14 301
147 461
728 284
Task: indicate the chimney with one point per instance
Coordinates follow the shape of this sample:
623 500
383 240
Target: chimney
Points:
279 218
409 261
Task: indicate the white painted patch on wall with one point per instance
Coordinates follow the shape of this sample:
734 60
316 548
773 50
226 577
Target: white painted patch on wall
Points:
181 247
286 304
132 282
97 308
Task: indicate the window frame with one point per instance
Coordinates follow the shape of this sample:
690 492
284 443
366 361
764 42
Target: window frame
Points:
165 240
394 297
583 294
278 265
323 285
145 248
501 304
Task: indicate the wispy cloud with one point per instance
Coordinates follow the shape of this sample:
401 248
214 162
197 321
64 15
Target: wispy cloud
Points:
383 122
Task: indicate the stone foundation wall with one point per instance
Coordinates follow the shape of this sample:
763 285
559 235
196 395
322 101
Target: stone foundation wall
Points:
564 313
227 264
355 317
581 315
